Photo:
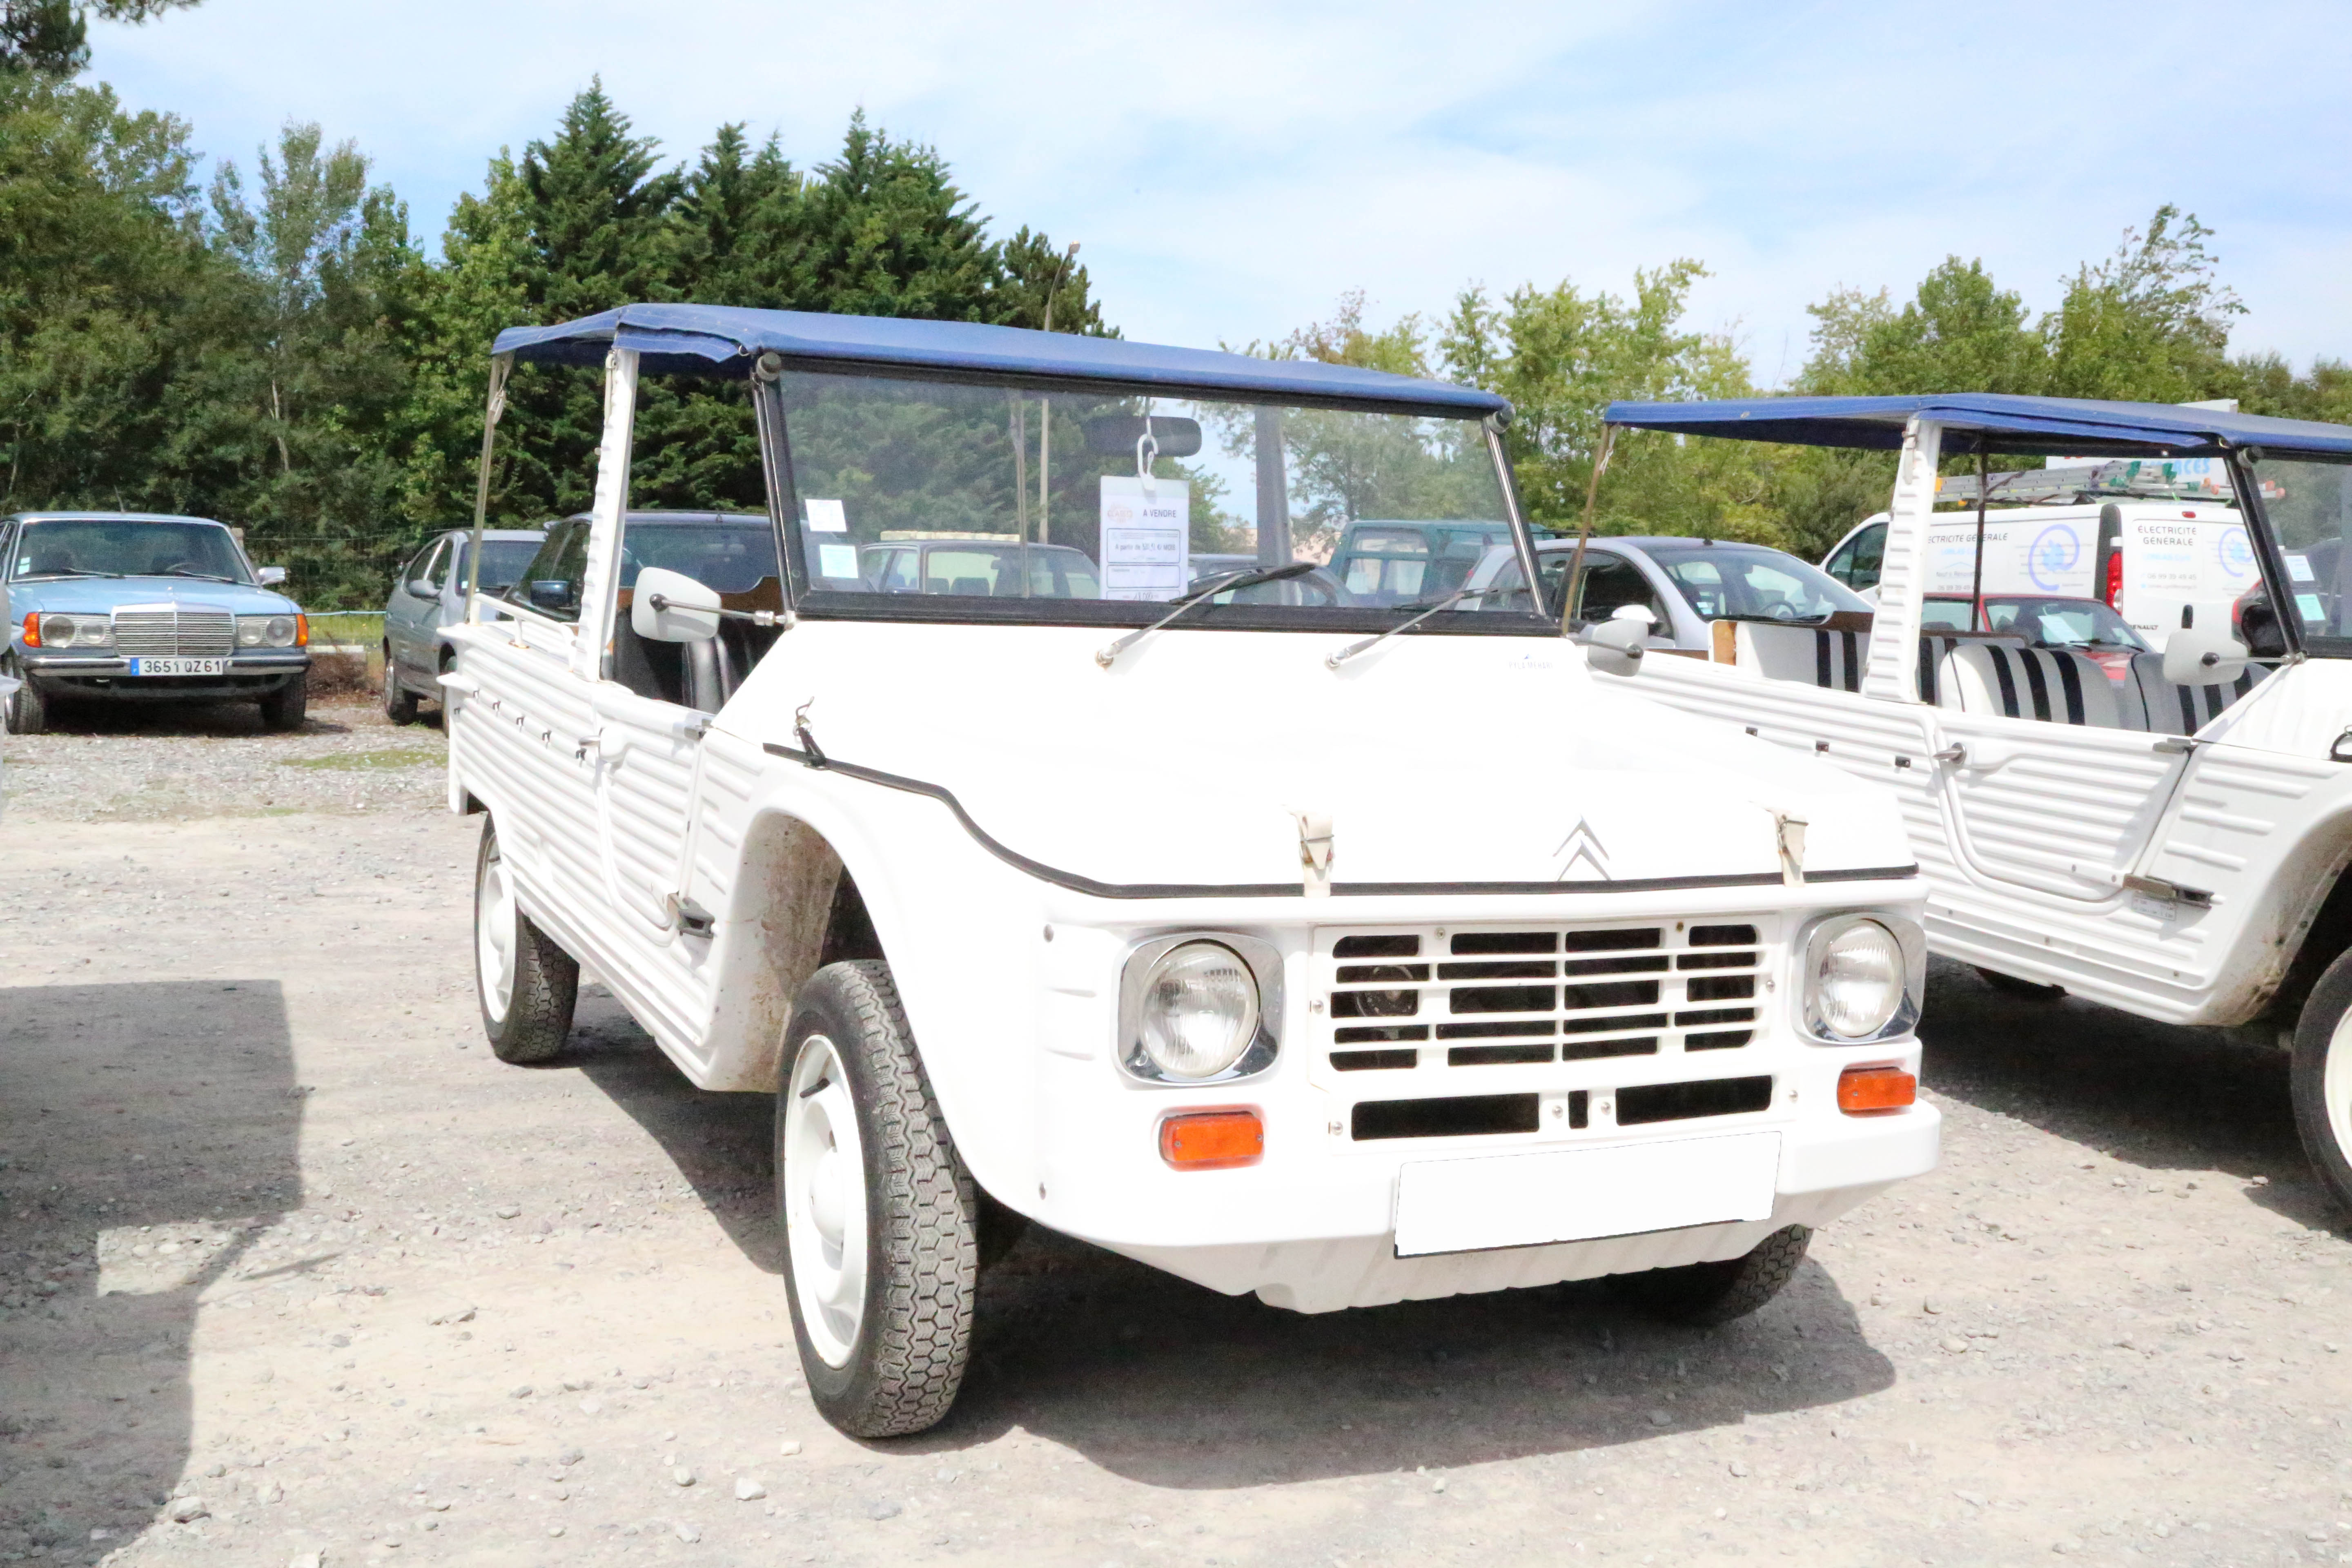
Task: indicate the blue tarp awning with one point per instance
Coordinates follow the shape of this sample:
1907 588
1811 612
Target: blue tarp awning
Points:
713 340
2005 422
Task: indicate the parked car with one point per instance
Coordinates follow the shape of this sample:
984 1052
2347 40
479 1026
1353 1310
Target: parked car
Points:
1314 587
1130 917
982 564
113 606
2175 845
1680 586
1397 560
430 595
2082 626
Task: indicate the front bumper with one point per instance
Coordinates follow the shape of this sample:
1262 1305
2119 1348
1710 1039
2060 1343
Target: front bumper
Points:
107 679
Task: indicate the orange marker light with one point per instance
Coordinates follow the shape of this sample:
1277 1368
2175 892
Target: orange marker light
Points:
1212 1140
32 631
1862 1090
301 631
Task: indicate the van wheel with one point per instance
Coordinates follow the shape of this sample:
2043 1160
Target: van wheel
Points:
2021 990
880 1218
527 985
2321 1077
399 702
1706 1294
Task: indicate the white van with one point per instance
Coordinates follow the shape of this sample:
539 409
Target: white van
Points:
2147 559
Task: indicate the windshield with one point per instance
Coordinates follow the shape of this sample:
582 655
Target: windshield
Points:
121 547
502 562
732 557
2308 506
930 499
2059 623
1751 583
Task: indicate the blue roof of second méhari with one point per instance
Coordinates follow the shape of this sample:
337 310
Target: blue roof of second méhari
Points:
2003 422
716 340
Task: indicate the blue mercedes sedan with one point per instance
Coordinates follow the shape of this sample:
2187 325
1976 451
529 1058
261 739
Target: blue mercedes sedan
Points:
133 607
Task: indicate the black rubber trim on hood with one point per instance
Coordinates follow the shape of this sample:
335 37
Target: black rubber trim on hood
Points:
1078 884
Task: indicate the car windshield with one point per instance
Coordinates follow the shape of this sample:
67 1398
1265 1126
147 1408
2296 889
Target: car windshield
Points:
1751 582
2059 623
923 500
732 556
502 562
123 547
2307 505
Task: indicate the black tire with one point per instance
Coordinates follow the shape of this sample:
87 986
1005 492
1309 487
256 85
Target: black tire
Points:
543 981
896 1369
27 711
283 711
2021 990
1707 1294
399 702
2320 1034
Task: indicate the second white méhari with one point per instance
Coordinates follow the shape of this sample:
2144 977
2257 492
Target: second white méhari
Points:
1263 936
2168 833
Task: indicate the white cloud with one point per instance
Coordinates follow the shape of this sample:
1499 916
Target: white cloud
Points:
1231 168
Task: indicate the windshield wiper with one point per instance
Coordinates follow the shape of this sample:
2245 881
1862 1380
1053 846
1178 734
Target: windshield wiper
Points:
71 572
1230 583
192 572
1353 649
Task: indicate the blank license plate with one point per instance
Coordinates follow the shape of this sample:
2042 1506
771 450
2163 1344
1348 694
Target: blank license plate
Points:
1578 1194
179 666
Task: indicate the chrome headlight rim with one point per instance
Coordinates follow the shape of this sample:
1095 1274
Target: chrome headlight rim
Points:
1909 938
1265 963
68 629
271 631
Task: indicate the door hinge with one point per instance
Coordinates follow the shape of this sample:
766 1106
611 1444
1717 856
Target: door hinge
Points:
1954 756
689 918
2174 744
2157 888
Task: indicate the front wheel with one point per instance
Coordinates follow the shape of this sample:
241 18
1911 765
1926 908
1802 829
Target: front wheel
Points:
283 711
27 710
880 1218
2321 1078
1707 1294
399 702
528 985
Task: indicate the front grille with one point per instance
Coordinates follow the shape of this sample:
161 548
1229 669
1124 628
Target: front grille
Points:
188 630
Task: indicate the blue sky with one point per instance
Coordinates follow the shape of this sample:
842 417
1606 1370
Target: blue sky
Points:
1231 168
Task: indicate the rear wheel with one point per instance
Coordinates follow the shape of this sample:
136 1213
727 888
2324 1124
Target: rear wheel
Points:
283 711
2322 1078
399 702
28 709
528 985
2021 990
1706 1294
880 1219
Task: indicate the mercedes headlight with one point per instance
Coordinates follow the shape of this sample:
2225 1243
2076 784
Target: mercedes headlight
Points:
265 631
1195 1008
1858 981
76 631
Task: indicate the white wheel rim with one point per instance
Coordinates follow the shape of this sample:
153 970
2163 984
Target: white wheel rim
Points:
494 936
2336 1085
824 1200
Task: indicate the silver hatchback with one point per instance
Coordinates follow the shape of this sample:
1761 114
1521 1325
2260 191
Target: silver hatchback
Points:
1682 584
430 595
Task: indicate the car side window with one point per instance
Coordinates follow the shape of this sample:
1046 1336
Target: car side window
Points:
1857 562
436 571
417 564
898 572
1611 582
551 584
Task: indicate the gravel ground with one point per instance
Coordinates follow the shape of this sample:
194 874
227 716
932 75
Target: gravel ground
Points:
290 1266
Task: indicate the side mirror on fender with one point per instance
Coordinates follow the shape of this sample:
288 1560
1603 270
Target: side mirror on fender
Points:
2204 656
671 606
270 576
1615 646
552 594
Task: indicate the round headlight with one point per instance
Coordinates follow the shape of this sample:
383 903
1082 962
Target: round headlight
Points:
1858 981
58 631
1200 1010
251 630
281 631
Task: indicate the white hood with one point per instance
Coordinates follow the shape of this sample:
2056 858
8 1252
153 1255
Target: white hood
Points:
1438 759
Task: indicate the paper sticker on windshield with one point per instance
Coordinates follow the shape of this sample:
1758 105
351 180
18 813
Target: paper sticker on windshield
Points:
837 560
2299 568
1146 539
826 517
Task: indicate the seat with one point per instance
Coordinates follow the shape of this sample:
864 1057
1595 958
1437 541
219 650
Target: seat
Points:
975 585
1985 675
1814 655
2184 709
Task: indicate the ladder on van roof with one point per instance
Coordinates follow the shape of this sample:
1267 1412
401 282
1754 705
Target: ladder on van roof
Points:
2136 478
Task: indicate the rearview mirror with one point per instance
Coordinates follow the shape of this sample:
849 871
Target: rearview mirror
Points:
1615 646
2203 656
270 576
671 606
1111 435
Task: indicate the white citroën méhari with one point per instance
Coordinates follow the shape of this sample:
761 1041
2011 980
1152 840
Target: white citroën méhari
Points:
2168 833
1341 953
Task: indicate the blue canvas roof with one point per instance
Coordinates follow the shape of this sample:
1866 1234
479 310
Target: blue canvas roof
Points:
2007 422
714 339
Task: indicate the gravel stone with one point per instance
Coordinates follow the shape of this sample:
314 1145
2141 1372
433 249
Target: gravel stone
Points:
885 1508
747 1490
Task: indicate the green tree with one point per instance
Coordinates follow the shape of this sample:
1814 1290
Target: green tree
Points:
2150 324
51 38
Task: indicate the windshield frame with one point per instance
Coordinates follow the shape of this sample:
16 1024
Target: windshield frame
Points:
2278 585
811 603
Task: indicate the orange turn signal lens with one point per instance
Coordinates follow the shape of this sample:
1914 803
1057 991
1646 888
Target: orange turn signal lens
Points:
32 633
301 631
1864 1089
1207 1140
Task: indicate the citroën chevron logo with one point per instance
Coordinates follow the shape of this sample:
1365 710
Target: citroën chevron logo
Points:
1583 843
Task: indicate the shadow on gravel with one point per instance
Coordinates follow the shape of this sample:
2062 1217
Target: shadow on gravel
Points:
719 1142
208 719
1175 1385
167 1105
2152 1095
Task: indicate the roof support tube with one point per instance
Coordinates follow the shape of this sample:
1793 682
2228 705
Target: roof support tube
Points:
500 366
